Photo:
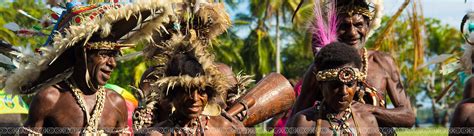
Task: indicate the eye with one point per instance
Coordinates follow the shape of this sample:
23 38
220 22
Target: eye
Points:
202 92
351 84
359 25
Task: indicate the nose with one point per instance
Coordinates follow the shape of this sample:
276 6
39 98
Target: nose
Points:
344 90
194 95
111 62
352 32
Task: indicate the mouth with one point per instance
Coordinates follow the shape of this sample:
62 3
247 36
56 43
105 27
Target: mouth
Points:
344 100
195 108
353 41
106 73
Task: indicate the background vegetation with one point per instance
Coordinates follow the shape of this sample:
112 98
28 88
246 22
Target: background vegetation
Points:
263 39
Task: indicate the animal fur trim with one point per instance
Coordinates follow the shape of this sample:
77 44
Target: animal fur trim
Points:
212 77
215 20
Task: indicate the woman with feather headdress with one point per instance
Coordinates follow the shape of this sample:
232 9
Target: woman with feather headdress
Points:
350 21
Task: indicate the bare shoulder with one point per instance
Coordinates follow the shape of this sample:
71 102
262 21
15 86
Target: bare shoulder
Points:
466 106
47 97
462 113
115 97
304 118
386 62
42 104
382 57
362 112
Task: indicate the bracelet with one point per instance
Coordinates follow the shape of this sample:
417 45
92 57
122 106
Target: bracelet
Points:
31 132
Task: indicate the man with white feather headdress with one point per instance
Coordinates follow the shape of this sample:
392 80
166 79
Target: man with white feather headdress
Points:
68 78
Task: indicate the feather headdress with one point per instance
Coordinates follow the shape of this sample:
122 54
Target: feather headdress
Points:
467 30
211 77
80 25
324 28
192 26
325 22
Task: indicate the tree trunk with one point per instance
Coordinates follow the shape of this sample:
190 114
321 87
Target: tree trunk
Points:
415 110
445 119
278 67
436 121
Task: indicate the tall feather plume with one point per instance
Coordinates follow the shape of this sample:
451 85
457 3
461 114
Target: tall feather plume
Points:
325 23
377 18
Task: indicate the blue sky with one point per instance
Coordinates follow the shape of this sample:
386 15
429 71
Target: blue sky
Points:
448 11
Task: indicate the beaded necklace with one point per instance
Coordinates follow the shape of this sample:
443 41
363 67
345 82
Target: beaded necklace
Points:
92 121
341 123
195 127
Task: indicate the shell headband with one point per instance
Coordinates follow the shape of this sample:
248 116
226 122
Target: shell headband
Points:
344 75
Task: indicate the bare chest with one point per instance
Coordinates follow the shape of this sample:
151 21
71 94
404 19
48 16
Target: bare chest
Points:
68 114
215 126
358 127
377 77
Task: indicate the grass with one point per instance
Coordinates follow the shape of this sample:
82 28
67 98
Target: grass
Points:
434 131
438 131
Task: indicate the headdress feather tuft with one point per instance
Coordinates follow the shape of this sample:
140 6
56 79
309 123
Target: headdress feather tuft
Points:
324 28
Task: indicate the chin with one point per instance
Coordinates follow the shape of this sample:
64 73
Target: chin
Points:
193 115
100 83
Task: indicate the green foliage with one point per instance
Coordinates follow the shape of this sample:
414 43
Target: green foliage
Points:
128 73
298 55
9 13
227 49
258 53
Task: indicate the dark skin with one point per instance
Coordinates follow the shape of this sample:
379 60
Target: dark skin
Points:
384 76
189 106
462 118
337 97
462 114
164 107
56 105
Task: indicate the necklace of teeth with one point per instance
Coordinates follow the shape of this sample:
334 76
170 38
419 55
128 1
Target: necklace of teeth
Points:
92 121
365 62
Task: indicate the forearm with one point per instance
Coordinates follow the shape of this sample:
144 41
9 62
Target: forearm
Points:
401 116
303 101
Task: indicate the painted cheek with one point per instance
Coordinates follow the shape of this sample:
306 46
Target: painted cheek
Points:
351 91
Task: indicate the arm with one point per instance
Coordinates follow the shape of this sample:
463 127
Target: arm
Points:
459 118
402 115
469 88
308 93
120 106
41 105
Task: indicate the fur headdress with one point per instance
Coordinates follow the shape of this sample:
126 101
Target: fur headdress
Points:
211 77
192 27
79 26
